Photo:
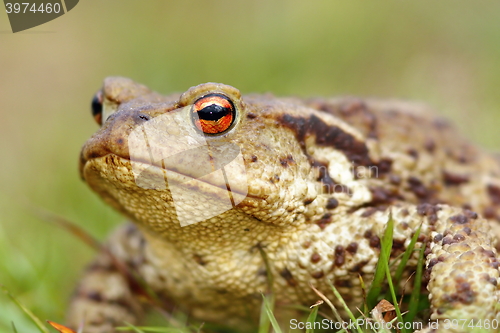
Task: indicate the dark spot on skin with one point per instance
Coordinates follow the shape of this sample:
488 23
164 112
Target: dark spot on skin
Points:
119 141
315 257
352 248
470 214
467 231
358 267
343 283
398 244
383 166
251 115
428 271
339 255
354 111
490 213
395 179
306 244
374 242
459 238
318 275
332 203
290 280
308 201
448 240
246 229
324 221
413 153
254 158
382 196
418 188
489 253
368 234
131 230
199 259
284 163
369 211
467 206
451 179
438 238
486 277
144 117
460 219
430 145
430 211
464 294
432 263
329 185
327 136
95 296
494 193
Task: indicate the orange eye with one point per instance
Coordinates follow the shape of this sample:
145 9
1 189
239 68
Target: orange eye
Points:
215 114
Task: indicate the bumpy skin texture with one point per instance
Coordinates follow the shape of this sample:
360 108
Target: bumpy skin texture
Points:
323 176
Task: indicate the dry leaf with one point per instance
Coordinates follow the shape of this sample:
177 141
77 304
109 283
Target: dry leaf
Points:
318 302
60 328
384 311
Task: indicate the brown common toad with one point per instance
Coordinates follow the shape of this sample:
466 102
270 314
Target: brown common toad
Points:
211 179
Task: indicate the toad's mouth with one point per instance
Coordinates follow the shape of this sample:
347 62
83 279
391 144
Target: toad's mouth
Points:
162 176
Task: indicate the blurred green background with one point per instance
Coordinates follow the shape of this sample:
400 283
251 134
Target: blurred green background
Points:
446 53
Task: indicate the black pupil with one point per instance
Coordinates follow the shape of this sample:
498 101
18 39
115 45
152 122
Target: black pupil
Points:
96 106
213 112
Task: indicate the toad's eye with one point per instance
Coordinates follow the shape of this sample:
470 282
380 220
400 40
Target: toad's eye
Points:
97 107
213 114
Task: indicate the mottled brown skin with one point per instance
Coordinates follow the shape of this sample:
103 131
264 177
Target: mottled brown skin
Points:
315 218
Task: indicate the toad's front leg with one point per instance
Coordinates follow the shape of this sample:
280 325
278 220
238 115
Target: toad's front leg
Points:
105 298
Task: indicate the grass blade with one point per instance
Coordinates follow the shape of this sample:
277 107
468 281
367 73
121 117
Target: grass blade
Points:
393 295
406 257
264 321
415 294
330 304
344 305
385 251
311 319
38 323
269 311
